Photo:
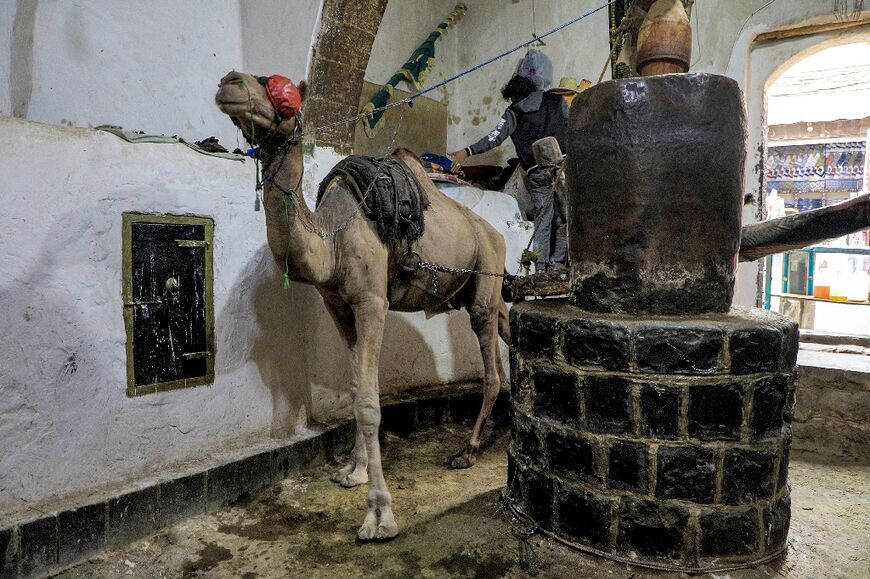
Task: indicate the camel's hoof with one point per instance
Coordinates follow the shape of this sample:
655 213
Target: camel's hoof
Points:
354 479
464 459
380 525
350 476
381 533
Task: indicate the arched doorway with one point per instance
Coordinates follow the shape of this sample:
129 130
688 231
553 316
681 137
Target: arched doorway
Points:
818 122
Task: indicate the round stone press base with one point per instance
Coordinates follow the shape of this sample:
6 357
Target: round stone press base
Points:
661 442
722 568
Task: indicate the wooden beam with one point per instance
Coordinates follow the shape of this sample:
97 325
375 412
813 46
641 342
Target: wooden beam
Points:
810 30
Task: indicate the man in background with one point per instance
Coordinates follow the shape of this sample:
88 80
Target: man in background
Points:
533 114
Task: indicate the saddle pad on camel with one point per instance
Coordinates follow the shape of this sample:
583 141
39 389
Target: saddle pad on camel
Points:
389 194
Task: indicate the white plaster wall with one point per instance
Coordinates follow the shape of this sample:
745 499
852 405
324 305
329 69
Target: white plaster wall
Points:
67 427
150 66
66 423
7 18
268 45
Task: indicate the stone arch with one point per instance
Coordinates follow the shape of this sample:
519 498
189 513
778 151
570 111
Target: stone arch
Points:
849 37
347 33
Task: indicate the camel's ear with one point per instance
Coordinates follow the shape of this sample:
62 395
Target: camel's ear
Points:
302 87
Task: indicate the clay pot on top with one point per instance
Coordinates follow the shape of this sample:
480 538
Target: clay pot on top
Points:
664 41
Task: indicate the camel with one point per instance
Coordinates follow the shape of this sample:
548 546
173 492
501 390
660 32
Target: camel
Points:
356 274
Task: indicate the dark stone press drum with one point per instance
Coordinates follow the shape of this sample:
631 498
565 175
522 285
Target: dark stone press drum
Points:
655 179
651 421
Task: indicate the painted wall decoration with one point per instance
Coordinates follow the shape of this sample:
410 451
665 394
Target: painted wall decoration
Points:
817 167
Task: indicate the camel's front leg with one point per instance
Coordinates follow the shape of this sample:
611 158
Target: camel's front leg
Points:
379 524
354 472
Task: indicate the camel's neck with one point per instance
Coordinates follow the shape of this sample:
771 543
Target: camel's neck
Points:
301 253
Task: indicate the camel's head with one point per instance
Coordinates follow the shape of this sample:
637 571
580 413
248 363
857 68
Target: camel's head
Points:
262 107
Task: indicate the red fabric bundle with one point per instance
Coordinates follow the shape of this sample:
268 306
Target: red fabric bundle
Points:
283 95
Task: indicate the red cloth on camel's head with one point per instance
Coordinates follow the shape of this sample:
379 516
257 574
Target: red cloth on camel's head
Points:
283 95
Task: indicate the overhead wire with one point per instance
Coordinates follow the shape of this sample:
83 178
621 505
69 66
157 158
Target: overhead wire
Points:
411 98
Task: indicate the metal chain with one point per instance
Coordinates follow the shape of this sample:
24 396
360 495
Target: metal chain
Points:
435 268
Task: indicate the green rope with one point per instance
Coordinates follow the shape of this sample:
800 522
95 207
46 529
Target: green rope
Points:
287 217
290 193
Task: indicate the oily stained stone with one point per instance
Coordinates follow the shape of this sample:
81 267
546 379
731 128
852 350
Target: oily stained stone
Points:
748 475
768 407
583 516
655 178
658 458
572 457
628 466
676 350
687 473
539 496
716 411
602 345
659 411
755 350
557 396
651 419
777 518
608 404
652 529
725 534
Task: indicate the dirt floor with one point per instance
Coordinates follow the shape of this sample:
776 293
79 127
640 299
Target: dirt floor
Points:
453 525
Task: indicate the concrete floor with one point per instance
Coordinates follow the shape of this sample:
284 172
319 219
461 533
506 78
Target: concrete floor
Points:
453 525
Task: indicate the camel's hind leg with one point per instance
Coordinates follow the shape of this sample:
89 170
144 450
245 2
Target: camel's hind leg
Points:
504 332
504 324
484 322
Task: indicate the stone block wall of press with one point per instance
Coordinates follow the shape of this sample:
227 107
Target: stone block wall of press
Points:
660 441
